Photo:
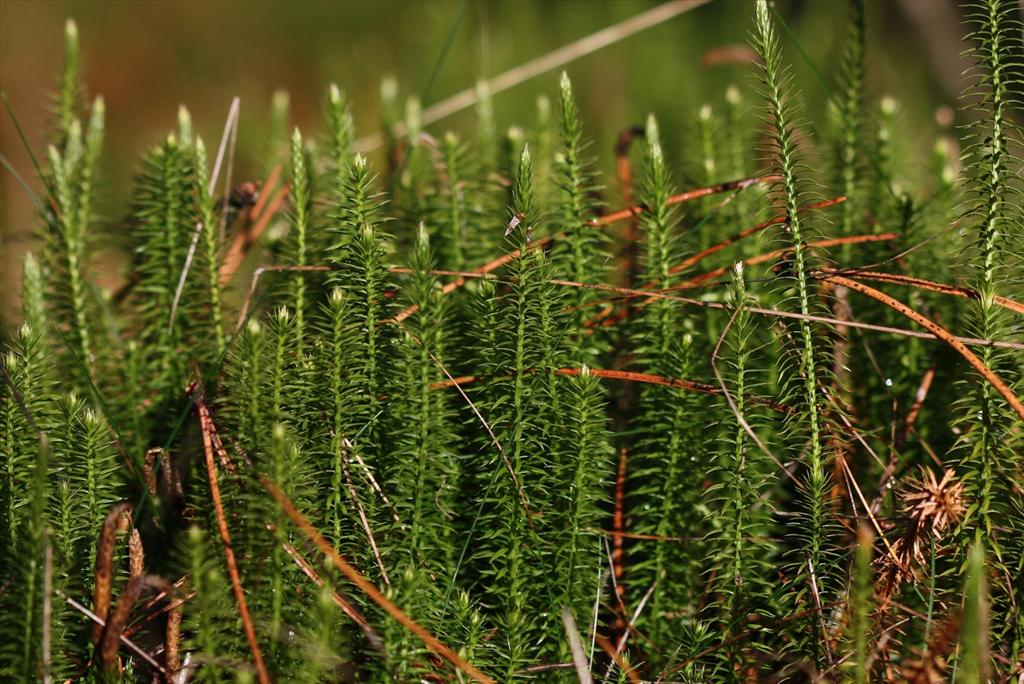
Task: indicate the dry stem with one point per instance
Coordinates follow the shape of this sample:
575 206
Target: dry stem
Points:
208 429
365 585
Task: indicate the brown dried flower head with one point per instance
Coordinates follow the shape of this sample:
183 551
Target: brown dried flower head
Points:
934 505
930 508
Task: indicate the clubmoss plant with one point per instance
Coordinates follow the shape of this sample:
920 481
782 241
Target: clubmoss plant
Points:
376 444
666 485
582 257
739 544
815 562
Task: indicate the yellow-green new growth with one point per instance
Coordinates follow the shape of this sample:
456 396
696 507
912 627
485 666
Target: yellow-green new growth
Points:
211 247
301 209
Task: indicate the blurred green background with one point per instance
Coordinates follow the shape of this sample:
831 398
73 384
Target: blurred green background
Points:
147 57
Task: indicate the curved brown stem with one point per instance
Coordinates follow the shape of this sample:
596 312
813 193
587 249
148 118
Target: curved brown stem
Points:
600 221
115 625
921 283
208 430
682 197
691 260
939 332
367 587
118 520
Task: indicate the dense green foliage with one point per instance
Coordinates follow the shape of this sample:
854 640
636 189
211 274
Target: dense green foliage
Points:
723 454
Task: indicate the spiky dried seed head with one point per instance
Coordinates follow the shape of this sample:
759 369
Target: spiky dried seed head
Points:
933 504
930 507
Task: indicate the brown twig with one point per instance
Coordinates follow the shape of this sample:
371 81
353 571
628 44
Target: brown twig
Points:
257 209
629 267
939 332
753 230
785 314
645 537
491 265
366 586
682 197
610 316
624 172
768 256
600 221
689 385
921 283
245 239
208 429
915 408
346 607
